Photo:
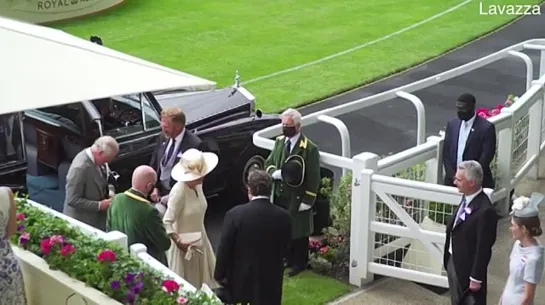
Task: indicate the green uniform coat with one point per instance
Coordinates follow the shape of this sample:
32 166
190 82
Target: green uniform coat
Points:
133 215
302 222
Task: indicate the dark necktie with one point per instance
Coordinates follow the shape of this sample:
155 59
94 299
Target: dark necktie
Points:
287 149
460 211
169 153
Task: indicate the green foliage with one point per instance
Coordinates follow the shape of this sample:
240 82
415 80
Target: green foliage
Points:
325 188
85 258
331 255
440 212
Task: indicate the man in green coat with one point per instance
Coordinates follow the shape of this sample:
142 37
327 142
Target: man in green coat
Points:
297 198
133 214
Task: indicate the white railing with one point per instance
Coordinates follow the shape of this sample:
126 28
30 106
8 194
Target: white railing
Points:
397 223
137 250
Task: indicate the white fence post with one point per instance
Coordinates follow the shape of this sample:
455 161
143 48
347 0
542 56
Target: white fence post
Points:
504 160
362 240
534 134
434 167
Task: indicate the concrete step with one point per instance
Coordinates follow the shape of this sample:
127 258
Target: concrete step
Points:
392 291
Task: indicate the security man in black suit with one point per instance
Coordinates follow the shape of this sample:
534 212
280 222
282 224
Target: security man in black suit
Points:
469 137
255 240
174 141
470 236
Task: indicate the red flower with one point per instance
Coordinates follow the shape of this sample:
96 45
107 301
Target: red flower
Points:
20 216
494 112
46 246
106 256
170 286
499 106
323 250
67 250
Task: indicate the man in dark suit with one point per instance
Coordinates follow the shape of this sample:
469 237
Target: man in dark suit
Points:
255 240
174 141
469 137
470 236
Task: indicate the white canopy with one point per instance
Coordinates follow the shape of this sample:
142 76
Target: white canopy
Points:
41 67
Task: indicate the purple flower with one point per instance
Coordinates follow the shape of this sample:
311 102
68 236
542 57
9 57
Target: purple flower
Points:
24 238
130 297
129 277
115 284
136 288
20 228
140 275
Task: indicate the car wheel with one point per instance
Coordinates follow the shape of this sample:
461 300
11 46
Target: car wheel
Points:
255 162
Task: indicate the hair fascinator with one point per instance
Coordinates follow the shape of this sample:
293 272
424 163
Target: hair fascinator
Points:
525 207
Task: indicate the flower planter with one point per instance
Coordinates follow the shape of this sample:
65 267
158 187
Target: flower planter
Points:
46 286
91 270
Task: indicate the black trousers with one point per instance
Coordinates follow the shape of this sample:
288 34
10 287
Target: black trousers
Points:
298 253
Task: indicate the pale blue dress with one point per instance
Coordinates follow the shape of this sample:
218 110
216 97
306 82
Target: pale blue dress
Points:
525 265
12 289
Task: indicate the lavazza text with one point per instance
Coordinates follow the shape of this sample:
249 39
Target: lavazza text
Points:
509 9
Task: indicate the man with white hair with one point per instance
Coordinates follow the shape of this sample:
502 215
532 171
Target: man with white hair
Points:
87 191
470 236
294 165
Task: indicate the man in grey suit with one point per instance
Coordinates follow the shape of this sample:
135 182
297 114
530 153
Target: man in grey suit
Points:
87 192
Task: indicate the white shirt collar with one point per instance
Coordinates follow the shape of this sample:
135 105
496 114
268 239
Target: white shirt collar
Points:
259 197
469 198
294 139
89 154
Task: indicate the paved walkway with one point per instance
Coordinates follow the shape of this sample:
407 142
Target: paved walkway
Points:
391 291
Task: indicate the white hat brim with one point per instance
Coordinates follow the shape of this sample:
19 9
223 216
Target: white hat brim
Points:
178 172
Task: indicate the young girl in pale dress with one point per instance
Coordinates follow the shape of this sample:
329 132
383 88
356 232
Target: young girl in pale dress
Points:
195 262
12 288
527 257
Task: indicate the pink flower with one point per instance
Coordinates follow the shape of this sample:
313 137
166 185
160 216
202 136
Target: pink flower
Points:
181 300
67 250
170 286
323 250
499 107
46 246
508 102
20 216
482 112
494 112
56 239
24 238
106 256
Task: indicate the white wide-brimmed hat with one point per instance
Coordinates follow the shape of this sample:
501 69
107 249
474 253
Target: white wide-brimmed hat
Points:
193 165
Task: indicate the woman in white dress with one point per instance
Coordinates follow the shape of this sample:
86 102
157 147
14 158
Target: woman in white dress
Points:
192 259
12 288
526 260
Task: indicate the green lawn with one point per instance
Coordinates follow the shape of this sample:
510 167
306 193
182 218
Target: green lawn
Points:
308 288
214 38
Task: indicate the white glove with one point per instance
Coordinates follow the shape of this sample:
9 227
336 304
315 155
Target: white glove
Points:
277 174
164 200
304 207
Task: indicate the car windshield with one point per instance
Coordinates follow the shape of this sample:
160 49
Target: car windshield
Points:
127 115
11 148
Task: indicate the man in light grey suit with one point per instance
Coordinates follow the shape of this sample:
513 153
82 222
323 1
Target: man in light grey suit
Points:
87 192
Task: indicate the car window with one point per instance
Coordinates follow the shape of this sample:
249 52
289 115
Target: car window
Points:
124 115
11 148
69 116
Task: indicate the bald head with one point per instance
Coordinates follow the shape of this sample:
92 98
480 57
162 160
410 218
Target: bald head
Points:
143 179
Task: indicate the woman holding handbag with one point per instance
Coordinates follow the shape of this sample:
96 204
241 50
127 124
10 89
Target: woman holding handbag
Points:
527 257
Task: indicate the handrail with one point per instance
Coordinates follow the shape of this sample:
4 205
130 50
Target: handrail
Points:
420 115
529 67
345 135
